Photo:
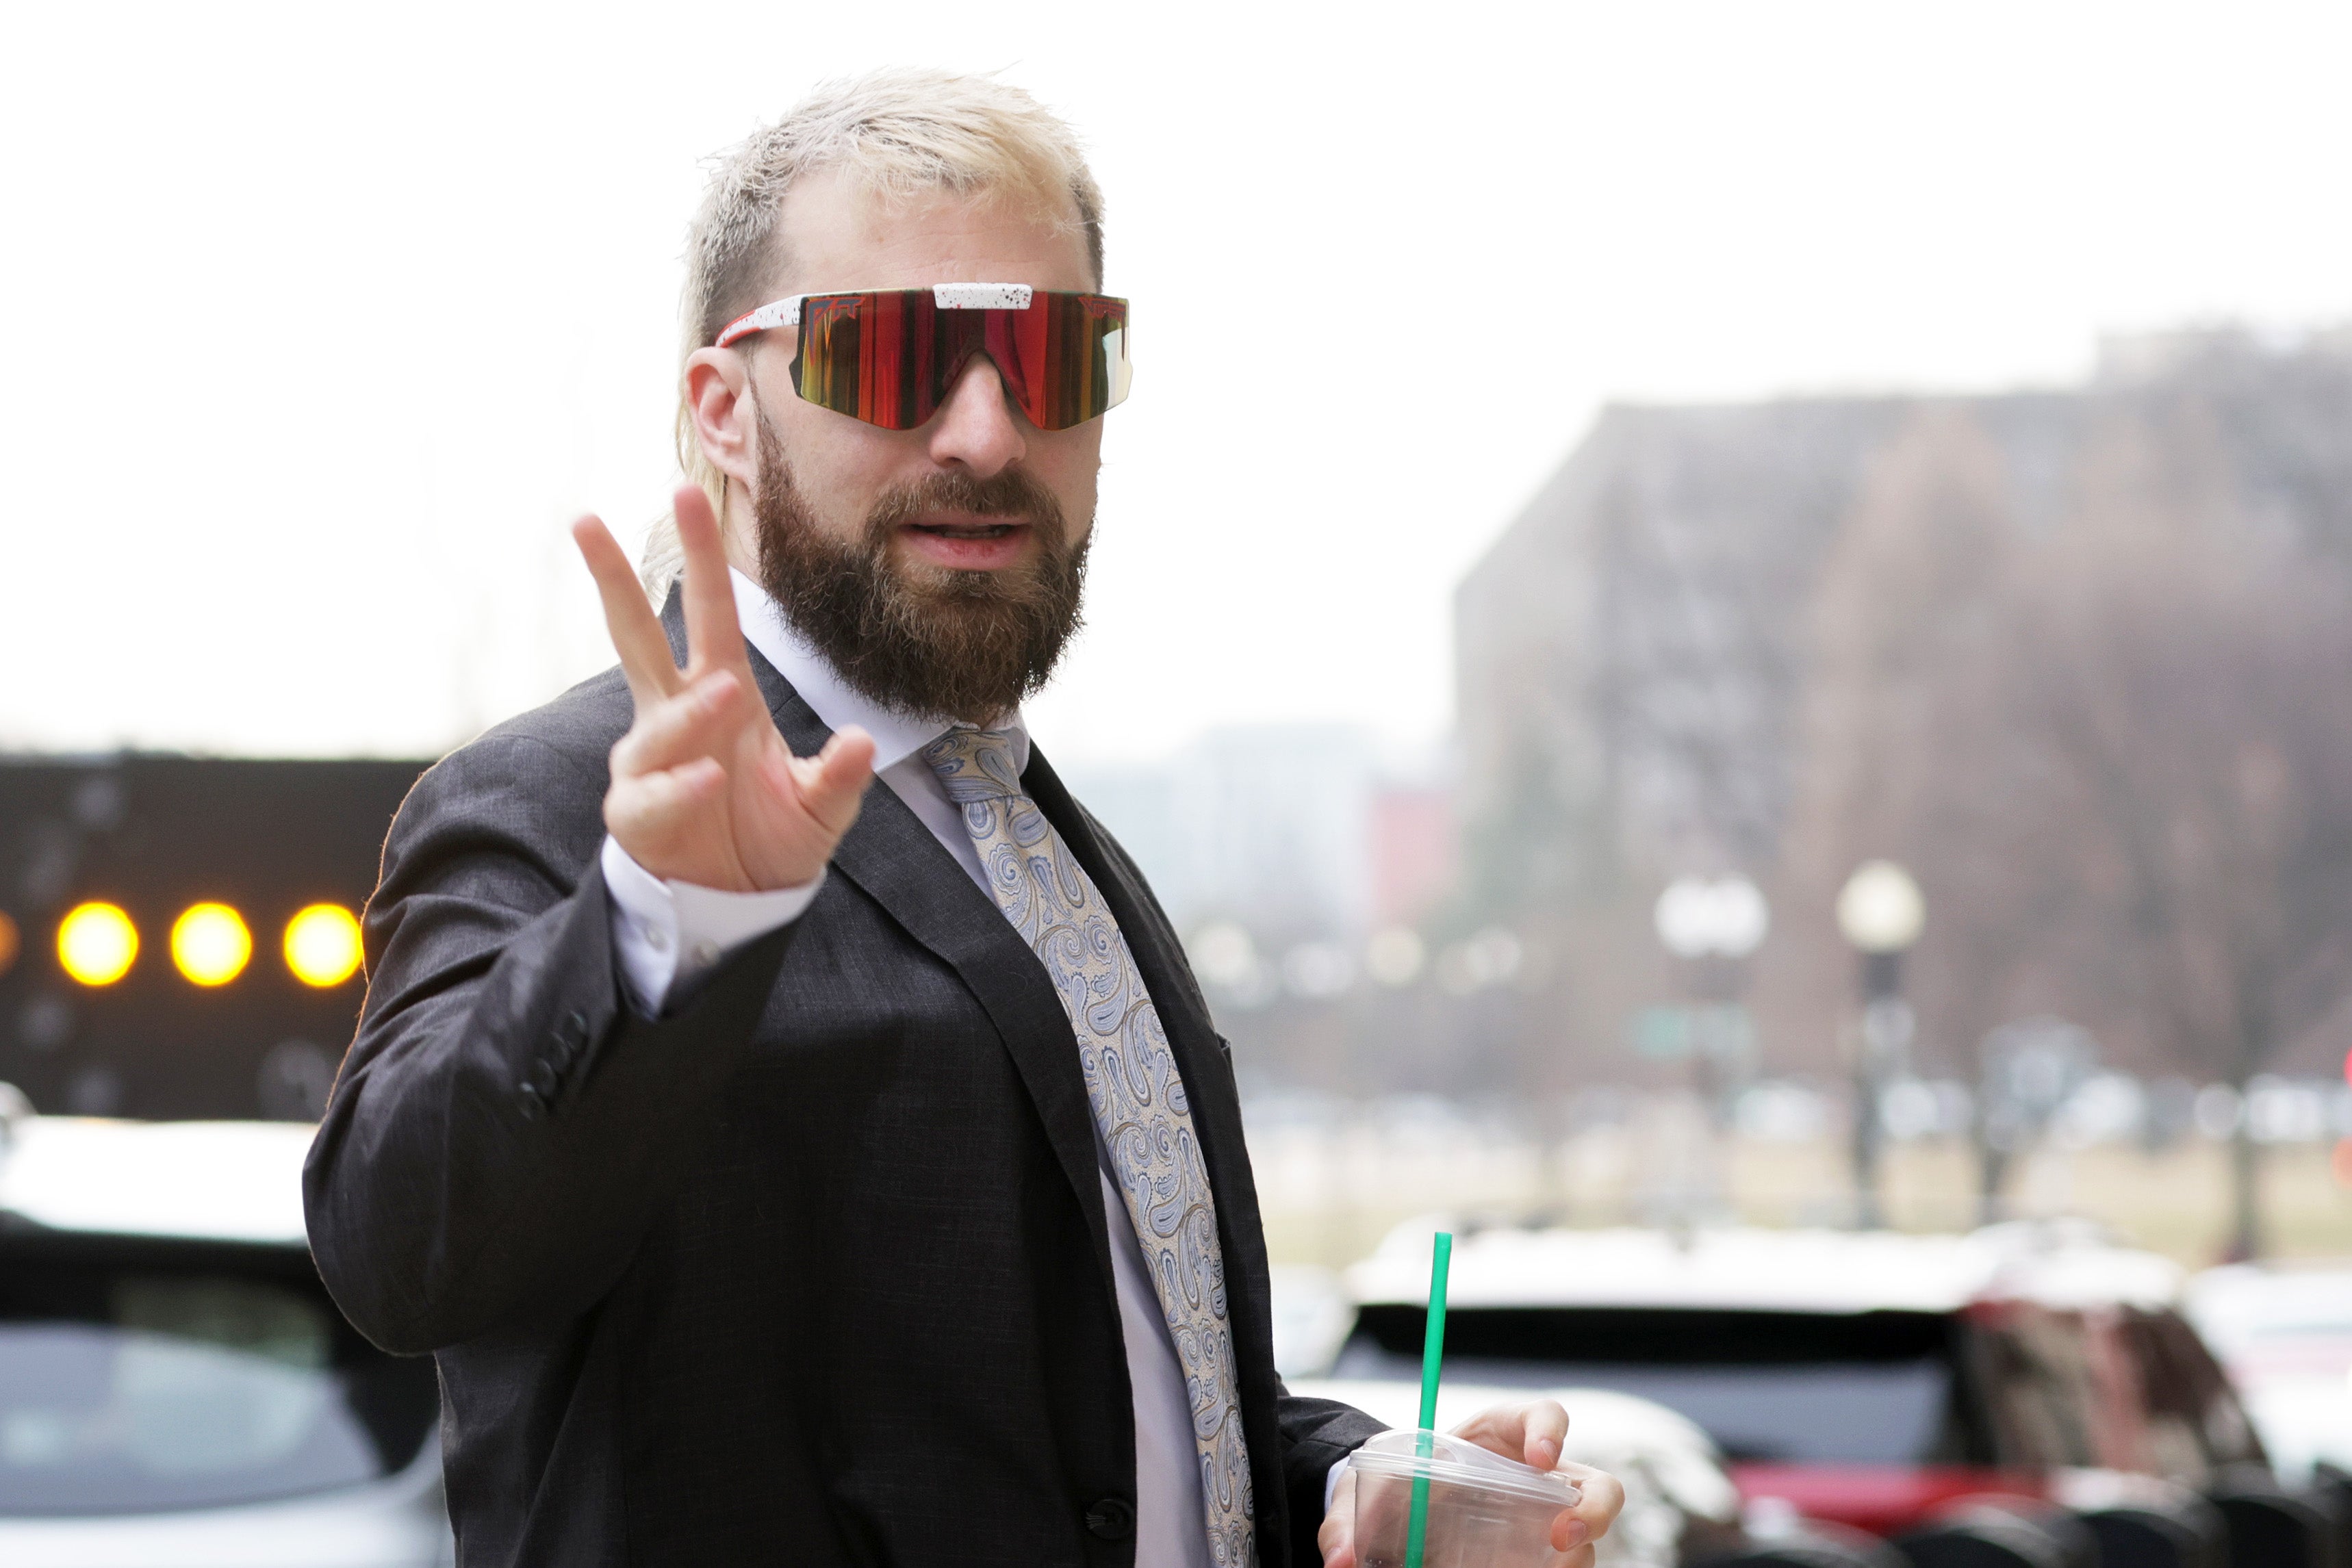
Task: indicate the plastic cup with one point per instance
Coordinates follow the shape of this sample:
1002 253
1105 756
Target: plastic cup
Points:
1485 1511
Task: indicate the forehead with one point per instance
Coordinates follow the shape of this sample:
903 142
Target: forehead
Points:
837 234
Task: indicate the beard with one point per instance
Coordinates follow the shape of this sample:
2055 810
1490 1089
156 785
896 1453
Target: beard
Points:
917 638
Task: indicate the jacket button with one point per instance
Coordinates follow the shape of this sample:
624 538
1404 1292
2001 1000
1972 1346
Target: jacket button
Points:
543 1080
1111 1517
532 1106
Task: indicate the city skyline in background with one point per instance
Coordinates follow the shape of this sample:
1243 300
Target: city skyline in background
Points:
316 406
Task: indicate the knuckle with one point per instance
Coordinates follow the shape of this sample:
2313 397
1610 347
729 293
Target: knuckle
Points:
624 801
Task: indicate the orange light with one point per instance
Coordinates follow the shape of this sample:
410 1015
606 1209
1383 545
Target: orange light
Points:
8 942
210 944
97 943
322 946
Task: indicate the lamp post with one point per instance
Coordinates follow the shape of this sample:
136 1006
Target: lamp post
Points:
1881 911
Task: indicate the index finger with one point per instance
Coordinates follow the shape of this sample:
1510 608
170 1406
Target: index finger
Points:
637 635
714 638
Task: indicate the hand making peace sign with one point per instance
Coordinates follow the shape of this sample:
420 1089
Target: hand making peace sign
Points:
704 790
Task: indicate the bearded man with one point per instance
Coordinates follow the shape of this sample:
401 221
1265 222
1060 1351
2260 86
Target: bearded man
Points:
786 1171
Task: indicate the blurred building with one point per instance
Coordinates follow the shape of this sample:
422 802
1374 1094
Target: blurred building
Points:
1414 853
1630 655
1292 831
1745 638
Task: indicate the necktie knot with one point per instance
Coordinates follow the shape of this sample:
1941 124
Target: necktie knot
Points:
975 764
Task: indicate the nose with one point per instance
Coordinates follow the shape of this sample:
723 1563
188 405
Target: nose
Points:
977 427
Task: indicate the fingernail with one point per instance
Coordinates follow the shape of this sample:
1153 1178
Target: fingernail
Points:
1549 1450
1576 1534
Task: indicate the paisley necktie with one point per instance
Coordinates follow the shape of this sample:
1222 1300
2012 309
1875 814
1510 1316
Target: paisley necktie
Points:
1137 1098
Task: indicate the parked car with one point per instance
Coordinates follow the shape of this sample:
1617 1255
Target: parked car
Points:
176 1387
1878 1382
1680 1504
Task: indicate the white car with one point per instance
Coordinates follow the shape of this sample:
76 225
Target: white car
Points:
177 1389
2284 1333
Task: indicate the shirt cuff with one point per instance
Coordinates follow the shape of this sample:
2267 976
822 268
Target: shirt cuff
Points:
1332 1481
667 932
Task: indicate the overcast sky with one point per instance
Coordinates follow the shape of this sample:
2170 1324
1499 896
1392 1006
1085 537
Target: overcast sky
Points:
317 325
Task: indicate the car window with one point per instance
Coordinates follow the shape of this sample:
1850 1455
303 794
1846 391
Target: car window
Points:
137 1376
1793 1387
2039 1386
2184 1388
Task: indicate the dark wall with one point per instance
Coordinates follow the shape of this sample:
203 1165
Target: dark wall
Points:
155 835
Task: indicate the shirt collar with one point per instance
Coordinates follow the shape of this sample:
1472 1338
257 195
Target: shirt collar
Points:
896 735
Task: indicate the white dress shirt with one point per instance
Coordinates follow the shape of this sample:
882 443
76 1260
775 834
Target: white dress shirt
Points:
669 932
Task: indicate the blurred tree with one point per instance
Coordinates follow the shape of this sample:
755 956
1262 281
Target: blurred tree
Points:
1908 751
2185 676
2114 742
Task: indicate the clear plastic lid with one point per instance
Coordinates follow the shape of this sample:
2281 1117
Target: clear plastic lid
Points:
1458 1462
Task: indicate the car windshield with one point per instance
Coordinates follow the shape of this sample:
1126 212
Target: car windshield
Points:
1788 1388
142 1375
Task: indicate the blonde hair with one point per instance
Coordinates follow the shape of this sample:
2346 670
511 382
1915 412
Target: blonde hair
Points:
899 131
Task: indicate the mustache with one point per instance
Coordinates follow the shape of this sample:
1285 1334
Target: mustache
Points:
1010 493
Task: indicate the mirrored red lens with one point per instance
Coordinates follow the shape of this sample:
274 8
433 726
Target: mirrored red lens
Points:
864 355
891 357
1063 358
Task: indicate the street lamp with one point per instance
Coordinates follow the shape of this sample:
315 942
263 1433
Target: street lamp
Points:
1881 911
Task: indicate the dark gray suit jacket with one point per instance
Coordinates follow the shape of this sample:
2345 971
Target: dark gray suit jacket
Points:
811 1269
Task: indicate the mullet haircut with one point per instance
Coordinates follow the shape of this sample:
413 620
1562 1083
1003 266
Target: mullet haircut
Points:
900 133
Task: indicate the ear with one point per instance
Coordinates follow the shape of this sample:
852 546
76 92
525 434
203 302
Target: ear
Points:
719 393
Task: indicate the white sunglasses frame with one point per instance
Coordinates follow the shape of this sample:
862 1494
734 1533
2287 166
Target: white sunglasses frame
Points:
949 297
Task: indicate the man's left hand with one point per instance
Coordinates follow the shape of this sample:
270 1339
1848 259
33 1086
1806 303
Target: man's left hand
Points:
1531 1434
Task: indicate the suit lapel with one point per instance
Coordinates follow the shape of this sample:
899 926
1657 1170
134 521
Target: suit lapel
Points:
892 857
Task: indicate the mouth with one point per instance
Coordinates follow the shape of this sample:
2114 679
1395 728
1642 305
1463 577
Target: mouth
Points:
965 541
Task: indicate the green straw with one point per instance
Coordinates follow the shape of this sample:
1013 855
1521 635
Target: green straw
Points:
1432 1351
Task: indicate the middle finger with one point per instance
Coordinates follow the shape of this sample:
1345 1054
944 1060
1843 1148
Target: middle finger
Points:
637 633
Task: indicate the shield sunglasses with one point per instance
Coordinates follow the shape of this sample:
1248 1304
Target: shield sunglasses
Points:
891 356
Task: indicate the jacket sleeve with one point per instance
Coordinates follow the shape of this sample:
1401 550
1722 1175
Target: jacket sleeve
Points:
496 1141
1315 1434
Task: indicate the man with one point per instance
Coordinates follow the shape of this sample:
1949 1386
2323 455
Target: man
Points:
787 1171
